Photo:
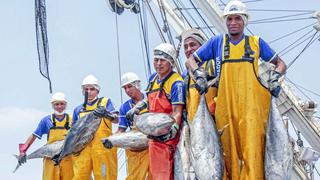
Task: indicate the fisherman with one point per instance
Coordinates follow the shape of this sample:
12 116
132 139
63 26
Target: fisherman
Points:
94 157
165 94
55 126
138 161
242 102
192 39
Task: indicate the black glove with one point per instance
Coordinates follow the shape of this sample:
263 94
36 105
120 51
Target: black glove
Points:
107 144
274 85
201 80
135 110
172 134
102 112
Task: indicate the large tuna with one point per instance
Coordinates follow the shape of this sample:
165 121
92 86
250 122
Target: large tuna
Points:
182 162
80 134
154 124
278 152
48 150
206 149
133 140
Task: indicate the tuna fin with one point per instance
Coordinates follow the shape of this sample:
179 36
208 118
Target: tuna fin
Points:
220 131
18 165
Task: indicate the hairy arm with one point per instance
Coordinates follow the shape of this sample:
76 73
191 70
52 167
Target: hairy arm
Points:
177 113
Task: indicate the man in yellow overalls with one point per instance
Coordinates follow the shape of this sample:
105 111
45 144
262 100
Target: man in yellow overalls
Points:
242 101
192 39
138 161
56 127
94 157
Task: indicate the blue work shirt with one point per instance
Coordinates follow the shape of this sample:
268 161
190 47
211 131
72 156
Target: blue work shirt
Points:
45 124
213 49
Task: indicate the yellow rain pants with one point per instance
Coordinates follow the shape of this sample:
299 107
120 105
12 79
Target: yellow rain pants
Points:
138 165
95 157
243 103
64 170
193 96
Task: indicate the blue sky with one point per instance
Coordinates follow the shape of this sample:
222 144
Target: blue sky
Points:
82 40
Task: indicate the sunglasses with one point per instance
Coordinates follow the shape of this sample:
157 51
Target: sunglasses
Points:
59 104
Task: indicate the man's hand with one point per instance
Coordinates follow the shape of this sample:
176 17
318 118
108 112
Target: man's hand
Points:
23 153
135 110
107 144
102 112
274 85
201 80
172 134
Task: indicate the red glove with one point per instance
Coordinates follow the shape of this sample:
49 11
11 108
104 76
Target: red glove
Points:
23 156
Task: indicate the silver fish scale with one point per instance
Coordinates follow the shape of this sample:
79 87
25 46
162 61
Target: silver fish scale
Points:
79 135
278 153
206 150
48 150
155 124
182 162
133 140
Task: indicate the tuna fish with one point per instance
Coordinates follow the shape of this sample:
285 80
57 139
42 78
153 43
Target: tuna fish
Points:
278 152
79 135
154 124
182 162
48 150
133 140
206 150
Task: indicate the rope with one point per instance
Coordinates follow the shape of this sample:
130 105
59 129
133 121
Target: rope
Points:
296 19
118 50
281 10
142 49
165 22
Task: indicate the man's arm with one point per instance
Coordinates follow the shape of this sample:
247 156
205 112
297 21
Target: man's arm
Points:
191 64
177 113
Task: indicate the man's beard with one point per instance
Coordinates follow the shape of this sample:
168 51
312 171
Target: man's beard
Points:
235 34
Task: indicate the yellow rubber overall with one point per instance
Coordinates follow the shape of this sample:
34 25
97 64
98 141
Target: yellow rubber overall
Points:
243 103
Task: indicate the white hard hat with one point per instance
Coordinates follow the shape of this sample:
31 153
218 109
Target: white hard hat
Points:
165 51
194 33
59 96
235 7
128 78
91 80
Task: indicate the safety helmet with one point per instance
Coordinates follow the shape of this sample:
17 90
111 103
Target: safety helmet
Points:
128 78
235 7
165 51
91 80
59 96
194 33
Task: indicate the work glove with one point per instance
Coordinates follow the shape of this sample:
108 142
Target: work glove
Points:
107 144
135 110
172 134
201 80
102 112
23 153
274 84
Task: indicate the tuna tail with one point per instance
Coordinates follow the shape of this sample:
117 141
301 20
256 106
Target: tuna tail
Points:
18 165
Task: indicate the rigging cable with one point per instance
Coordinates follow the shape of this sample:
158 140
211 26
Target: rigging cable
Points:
165 22
299 86
156 23
286 35
118 50
202 19
285 50
312 40
143 30
280 17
